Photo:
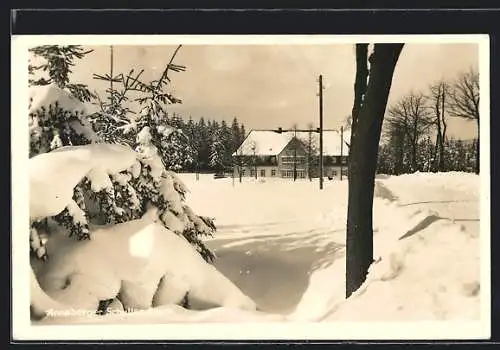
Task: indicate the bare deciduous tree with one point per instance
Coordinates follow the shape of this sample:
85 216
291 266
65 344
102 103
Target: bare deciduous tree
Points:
464 102
412 118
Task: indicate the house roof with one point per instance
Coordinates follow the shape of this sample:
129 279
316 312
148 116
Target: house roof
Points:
270 143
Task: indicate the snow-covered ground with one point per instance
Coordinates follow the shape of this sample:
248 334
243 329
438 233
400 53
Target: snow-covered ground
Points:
282 244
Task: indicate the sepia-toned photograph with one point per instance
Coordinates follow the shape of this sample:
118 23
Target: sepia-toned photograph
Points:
251 187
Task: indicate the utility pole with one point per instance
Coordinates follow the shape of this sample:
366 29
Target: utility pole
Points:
295 153
309 156
320 132
233 168
254 162
341 150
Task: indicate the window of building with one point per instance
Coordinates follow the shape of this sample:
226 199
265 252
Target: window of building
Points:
242 172
344 160
334 173
252 172
292 159
262 172
273 172
287 173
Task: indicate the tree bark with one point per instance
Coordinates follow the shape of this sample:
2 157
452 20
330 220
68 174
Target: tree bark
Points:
360 83
363 163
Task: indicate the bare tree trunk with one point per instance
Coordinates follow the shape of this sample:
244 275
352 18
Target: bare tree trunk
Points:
367 126
436 151
414 146
443 134
414 164
399 153
438 147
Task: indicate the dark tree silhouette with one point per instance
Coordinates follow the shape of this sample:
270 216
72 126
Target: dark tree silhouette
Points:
368 113
439 93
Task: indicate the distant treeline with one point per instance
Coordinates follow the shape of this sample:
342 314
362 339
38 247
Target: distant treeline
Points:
458 155
213 142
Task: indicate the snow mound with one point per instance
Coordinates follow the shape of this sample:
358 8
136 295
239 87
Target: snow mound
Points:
128 261
47 95
405 286
426 268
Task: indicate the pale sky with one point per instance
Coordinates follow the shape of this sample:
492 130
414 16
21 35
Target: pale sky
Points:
267 86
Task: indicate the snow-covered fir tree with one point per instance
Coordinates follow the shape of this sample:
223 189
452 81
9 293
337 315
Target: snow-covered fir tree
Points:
56 119
425 156
227 141
56 61
243 133
203 143
62 119
111 198
235 135
114 122
217 151
173 145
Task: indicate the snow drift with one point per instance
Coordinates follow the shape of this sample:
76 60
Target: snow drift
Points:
426 268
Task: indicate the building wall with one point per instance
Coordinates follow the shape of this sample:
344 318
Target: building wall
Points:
262 171
274 171
293 157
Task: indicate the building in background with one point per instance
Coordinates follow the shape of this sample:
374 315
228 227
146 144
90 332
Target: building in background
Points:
291 154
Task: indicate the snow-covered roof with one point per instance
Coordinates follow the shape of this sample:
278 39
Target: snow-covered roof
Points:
271 143
265 143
